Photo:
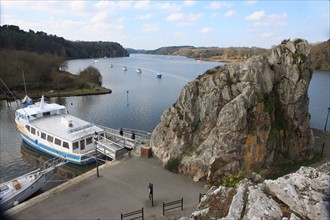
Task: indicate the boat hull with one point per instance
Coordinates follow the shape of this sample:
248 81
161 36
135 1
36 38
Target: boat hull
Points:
79 160
24 194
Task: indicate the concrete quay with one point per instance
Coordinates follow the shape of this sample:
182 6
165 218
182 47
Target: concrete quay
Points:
121 188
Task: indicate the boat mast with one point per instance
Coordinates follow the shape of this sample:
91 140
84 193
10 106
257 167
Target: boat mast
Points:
24 81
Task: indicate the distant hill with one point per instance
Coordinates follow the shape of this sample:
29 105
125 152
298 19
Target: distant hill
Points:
320 53
13 38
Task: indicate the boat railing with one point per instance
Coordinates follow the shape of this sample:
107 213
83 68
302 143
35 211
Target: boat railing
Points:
51 164
141 137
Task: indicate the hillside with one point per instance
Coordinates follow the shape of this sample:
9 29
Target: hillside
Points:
13 38
320 53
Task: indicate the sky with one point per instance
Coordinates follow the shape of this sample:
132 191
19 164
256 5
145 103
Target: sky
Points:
153 24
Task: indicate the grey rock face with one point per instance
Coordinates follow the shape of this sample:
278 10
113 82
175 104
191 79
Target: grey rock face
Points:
241 117
301 195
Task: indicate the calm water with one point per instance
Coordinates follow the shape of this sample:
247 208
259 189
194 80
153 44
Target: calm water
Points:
137 101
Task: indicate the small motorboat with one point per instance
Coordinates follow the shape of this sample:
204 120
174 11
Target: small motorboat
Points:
17 190
124 68
139 70
159 75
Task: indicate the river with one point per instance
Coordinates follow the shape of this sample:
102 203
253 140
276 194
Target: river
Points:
137 101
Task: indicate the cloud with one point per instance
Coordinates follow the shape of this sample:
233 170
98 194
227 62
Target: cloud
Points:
278 16
250 2
229 13
194 17
205 30
145 17
175 16
142 4
77 5
218 4
281 24
99 17
189 3
255 16
267 34
168 6
260 24
150 27
112 5
179 34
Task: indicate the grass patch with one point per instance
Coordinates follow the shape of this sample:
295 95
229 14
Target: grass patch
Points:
287 168
232 180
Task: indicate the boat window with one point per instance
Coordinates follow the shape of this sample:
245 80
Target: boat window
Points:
46 113
75 145
27 127
33 130
50 138
58 141
65 144
43 135
89 140
82 144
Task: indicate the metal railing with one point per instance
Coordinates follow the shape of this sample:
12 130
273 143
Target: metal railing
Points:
172 205
137 214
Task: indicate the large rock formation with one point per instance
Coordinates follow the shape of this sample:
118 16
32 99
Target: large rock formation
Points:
241 117
301 195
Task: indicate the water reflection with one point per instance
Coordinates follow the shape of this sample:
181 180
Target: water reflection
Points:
61 174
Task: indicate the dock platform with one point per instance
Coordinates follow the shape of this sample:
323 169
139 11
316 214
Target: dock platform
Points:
115 146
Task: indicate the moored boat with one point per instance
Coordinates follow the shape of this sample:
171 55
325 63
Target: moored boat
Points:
19 189
50 129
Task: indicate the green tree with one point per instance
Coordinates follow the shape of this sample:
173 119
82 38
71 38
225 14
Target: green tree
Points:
91 74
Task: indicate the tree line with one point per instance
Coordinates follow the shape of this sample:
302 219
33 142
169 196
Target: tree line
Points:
13 38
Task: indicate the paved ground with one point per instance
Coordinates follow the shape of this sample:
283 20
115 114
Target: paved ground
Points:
121 188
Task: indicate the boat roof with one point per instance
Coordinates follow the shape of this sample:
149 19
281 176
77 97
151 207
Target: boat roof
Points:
57 125
40 107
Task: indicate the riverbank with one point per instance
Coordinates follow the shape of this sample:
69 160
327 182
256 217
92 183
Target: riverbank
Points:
53 93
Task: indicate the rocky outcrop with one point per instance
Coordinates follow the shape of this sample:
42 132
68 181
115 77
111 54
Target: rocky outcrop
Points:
301 195
241 117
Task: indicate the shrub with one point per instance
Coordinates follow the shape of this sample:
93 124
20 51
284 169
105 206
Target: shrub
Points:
173 164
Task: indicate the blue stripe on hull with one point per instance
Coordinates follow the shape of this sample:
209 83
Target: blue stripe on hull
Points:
84 160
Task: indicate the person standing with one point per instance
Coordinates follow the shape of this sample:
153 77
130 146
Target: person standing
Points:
121 132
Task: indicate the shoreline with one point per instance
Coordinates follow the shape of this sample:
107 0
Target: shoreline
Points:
50 94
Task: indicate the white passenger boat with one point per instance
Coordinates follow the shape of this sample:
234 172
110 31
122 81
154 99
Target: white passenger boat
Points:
50 129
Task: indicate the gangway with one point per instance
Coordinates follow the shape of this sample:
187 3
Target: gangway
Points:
110 148
141 137
114 145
